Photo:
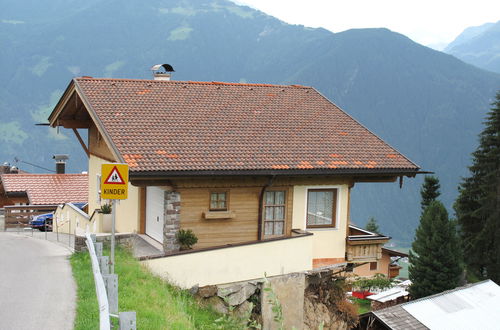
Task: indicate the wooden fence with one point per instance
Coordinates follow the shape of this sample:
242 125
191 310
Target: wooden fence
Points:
20 215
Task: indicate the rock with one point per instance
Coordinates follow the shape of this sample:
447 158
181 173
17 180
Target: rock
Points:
216 303
225 290
194 289
207 291
236 294
243 311
315 314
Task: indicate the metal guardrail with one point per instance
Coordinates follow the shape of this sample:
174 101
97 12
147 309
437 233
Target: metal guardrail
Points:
102 297
107 288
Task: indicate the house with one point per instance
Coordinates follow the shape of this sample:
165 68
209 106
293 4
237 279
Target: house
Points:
264 170
386 261
473 306
21 188
46 189
25 195
12 198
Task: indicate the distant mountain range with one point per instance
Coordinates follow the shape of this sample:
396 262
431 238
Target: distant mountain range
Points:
478 45
427 104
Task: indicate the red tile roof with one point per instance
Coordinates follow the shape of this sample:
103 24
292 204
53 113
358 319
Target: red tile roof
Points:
166 126
47 189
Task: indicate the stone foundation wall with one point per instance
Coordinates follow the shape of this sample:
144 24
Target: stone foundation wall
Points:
308 301
123 239
172 221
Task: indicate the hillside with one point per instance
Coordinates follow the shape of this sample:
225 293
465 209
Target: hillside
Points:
478 45
427 104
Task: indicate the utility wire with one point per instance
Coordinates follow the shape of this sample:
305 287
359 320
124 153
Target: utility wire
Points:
43 168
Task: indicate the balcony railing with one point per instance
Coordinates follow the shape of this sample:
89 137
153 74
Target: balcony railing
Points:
363 245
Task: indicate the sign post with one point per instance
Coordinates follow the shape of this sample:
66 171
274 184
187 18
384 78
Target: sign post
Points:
114 186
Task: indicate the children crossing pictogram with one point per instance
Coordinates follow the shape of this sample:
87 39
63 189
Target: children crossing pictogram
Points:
114 177
114 181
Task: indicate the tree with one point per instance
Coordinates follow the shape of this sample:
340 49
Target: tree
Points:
434 258
372 225
430 191
478 204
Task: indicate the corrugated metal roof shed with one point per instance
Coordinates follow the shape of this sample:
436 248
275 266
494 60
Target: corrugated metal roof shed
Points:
397 318
389 295
476 306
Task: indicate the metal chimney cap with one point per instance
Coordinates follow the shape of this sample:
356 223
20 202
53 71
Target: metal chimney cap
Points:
61 157
166 67
6 164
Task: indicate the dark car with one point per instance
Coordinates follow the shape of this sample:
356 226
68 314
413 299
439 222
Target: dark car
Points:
42 222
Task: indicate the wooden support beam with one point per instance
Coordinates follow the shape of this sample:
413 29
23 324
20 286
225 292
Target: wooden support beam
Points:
72 123
142 210
153 182
81 142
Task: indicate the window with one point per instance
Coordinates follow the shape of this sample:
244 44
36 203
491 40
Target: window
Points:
373 265
321 208
218 201
274 213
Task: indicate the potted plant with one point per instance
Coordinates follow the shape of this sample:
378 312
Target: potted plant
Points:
186 239
106 208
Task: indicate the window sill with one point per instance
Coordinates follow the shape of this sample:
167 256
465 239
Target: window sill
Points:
321 228
209 215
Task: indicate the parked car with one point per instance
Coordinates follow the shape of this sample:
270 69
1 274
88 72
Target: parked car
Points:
42 221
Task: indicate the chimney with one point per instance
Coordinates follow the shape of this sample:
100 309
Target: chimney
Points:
14 170
5 168
60 163
162 71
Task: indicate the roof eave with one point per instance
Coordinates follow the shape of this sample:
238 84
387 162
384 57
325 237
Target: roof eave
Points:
268 172
73 87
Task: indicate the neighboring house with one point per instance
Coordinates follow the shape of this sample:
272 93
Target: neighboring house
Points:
386 262
45 189
474 306
238 164
12 199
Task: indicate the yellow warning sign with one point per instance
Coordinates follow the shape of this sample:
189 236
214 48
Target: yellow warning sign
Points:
114 181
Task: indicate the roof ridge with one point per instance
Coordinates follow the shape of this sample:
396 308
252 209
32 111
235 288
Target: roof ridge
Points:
194 82
41 174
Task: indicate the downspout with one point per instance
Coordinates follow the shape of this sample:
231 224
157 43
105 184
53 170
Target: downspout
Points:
261 210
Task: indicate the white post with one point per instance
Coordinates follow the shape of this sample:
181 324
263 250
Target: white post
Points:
113 215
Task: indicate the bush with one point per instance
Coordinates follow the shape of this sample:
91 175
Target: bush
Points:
186 239
106 208
379 281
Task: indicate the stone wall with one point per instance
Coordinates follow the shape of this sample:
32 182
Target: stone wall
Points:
240 300
172 221
288 291
123 239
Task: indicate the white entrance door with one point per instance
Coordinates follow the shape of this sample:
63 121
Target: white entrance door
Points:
154 213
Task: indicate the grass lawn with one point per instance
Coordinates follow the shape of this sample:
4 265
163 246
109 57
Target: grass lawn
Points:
158 304
363 305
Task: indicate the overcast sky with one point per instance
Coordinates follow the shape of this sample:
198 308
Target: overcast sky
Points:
428 22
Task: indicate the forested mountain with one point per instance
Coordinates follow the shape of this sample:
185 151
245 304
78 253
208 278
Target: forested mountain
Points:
478 45
427 104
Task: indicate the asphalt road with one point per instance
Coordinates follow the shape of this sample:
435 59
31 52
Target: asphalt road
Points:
37 290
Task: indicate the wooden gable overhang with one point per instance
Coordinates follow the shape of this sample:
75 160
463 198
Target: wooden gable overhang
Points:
73 111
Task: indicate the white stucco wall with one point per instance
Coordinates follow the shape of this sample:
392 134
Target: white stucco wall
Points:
327 242
234 264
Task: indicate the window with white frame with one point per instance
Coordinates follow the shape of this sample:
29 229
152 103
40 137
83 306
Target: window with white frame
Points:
321 208
274 213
